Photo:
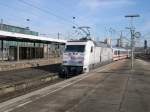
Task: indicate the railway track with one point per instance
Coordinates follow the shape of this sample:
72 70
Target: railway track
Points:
9 79
25 75
143 56
92 76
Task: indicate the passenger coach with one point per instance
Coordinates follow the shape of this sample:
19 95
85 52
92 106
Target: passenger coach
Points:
120 53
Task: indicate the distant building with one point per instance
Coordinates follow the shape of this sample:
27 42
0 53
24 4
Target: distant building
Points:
121 42
108 41
16 29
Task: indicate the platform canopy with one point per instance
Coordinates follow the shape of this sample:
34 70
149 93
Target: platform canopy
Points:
4 34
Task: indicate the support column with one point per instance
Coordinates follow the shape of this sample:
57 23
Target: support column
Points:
2 49
30 53
34 51
43 55
58 50
47 52
17 51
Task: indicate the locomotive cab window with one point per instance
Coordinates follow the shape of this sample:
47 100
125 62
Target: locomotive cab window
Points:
75 48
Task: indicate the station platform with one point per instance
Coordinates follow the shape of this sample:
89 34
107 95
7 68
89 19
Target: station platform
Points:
111 88
14 65
23 79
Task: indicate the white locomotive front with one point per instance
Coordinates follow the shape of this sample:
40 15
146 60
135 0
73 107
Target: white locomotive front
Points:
83 55
74 56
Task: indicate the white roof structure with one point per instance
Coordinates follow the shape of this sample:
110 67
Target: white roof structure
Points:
30 37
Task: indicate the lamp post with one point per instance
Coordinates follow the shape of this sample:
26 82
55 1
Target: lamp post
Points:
27 20
132 30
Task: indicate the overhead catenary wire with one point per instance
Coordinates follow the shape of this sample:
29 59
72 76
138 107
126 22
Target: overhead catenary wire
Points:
20 10
41 10
48 12
4 5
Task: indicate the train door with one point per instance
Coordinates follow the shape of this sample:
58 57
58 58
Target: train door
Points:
91 58
101 52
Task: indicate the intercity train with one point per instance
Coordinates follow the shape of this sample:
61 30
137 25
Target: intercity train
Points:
82 55
120 53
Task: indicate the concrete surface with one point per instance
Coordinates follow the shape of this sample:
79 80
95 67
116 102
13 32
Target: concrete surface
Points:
11 81
14 65
112 88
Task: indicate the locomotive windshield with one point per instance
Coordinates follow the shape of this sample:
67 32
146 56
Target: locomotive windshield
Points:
75 48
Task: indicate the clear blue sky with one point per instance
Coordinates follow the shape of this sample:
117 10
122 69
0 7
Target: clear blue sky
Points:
100 15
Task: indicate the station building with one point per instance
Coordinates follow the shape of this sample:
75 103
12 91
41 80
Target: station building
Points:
18 43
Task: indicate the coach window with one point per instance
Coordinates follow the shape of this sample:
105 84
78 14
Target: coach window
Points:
91 49
116 53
